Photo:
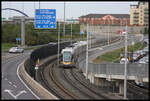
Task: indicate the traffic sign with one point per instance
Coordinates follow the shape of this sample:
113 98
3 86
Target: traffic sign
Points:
89 33
18 39
81 32
45 18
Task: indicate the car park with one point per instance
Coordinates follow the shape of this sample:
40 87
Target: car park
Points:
16 50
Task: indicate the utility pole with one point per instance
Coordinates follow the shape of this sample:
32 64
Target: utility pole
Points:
39 4
87 55
58 42
125 72
23 31
64 18
71 33
108 31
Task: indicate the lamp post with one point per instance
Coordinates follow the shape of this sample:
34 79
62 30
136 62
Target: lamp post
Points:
125 72
64 18
71 32
58 42
108 32
87 55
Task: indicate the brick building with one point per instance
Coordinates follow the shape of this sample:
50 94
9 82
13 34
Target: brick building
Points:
105 19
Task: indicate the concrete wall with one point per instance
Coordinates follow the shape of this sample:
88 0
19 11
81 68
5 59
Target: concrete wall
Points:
134 69
36 87
99 29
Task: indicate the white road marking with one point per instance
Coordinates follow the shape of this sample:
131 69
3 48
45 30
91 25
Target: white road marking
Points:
24 83
9 82
15 86
15 97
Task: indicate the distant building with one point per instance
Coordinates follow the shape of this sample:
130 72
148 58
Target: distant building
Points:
73 21
105 19
139 14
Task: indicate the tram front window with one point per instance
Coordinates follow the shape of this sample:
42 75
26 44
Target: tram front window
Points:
67 57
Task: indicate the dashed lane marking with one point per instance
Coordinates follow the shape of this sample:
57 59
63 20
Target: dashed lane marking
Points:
10 82
15 86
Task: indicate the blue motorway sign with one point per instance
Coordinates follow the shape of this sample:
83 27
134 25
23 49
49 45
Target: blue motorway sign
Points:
45 18
18 39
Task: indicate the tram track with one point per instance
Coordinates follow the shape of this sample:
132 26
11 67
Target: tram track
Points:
48 77
74 80
140 92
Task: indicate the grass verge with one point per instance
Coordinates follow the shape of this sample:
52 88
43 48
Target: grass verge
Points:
7 46
114 56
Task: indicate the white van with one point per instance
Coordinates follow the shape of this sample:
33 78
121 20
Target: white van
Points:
122 61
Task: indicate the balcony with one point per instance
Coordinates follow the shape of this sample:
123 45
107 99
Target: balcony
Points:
135 17
135 13
145 12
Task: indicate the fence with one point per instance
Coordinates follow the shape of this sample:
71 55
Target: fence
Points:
133 69
41 53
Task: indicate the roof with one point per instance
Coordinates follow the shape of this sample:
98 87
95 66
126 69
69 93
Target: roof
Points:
102 15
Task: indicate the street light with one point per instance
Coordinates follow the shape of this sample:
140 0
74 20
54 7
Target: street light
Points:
108 32
58 42
125 72
64 18
71 32
87 55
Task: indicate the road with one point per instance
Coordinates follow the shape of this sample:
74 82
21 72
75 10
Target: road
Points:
12 87
93 53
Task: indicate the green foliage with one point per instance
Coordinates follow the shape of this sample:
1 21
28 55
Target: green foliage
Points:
36 36
7 46
115 54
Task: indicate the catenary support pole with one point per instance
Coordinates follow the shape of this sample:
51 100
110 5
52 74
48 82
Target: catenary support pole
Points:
23 31
58 43
87 55
125 71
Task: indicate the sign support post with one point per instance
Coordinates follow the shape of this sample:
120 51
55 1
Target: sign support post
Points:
58 43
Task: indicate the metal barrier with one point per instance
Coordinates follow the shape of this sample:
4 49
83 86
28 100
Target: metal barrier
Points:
133 69
41 53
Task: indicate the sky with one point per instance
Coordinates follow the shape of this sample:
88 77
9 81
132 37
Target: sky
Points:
72 9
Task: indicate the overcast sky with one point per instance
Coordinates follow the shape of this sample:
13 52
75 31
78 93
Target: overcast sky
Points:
73 9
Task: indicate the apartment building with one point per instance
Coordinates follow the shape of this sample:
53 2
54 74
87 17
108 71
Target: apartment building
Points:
139 14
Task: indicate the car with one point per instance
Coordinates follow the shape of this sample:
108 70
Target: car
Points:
146 41
146 59
135 57
142 61
16 50
139 54
122 61
52 43
146 49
